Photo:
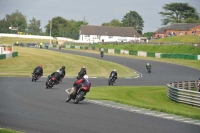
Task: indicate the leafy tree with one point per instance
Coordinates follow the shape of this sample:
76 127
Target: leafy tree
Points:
64 28
176 12
148 35
191 20
16 19
114 22
34 26
75 27
133 19
58 25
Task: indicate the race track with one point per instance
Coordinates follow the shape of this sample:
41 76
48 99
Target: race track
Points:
29 107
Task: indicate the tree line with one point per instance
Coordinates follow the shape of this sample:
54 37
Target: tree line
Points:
60 27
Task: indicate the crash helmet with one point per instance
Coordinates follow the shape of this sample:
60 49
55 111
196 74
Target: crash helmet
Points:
85 77
114 70
63 67
148 64
40 65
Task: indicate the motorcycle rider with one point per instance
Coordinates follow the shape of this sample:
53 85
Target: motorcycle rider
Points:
148 66
102 53
38 70
56 75
62 69
82 72
84 81
113 74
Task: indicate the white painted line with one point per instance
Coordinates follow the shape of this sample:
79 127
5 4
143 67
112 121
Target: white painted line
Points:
67 90
135 110
150 113
169 117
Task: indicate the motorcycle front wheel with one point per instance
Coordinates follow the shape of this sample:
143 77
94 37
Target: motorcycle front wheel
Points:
79 96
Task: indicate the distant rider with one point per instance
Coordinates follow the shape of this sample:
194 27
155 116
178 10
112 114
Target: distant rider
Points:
113 74
148 66
62 69
102 52
82 72
82 82
38 70
56 75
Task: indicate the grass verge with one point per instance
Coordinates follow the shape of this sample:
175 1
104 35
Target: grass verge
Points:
12 40
4 130
176 49
185 38
150 97
29 58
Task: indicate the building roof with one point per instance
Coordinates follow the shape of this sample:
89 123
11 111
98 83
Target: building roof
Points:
161 30
109 31
182 26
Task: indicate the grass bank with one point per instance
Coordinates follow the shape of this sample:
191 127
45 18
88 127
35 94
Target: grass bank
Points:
4 130
150 97
29 58
176 49
187 38
12 40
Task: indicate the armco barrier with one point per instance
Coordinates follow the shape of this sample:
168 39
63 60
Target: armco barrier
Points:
105 50
14 54
150 54
54 45
111 51
132 52
180 56
8 55
117 51
181 92
64 46
139 53
72 46
2 56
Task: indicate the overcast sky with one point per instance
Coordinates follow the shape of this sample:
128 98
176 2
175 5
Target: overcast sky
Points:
95 12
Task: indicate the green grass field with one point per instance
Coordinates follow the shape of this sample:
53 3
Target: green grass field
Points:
29 58
12 40
150 97
186 38
4 130
177 49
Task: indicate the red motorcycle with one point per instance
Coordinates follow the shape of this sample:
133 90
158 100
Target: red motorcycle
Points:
77 96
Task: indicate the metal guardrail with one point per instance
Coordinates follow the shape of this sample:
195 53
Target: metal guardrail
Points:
183 92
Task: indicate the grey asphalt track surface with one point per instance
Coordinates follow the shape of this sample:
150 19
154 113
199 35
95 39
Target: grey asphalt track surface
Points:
30 107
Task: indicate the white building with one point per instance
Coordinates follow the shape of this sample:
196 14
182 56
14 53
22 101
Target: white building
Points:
97 34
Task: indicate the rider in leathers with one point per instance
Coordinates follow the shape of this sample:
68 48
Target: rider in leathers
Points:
82 82
113 74
38 70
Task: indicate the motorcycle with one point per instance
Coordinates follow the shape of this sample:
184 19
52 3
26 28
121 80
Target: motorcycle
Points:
35 76
149 70
110 80
102 54
77 96
50 82
60 47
